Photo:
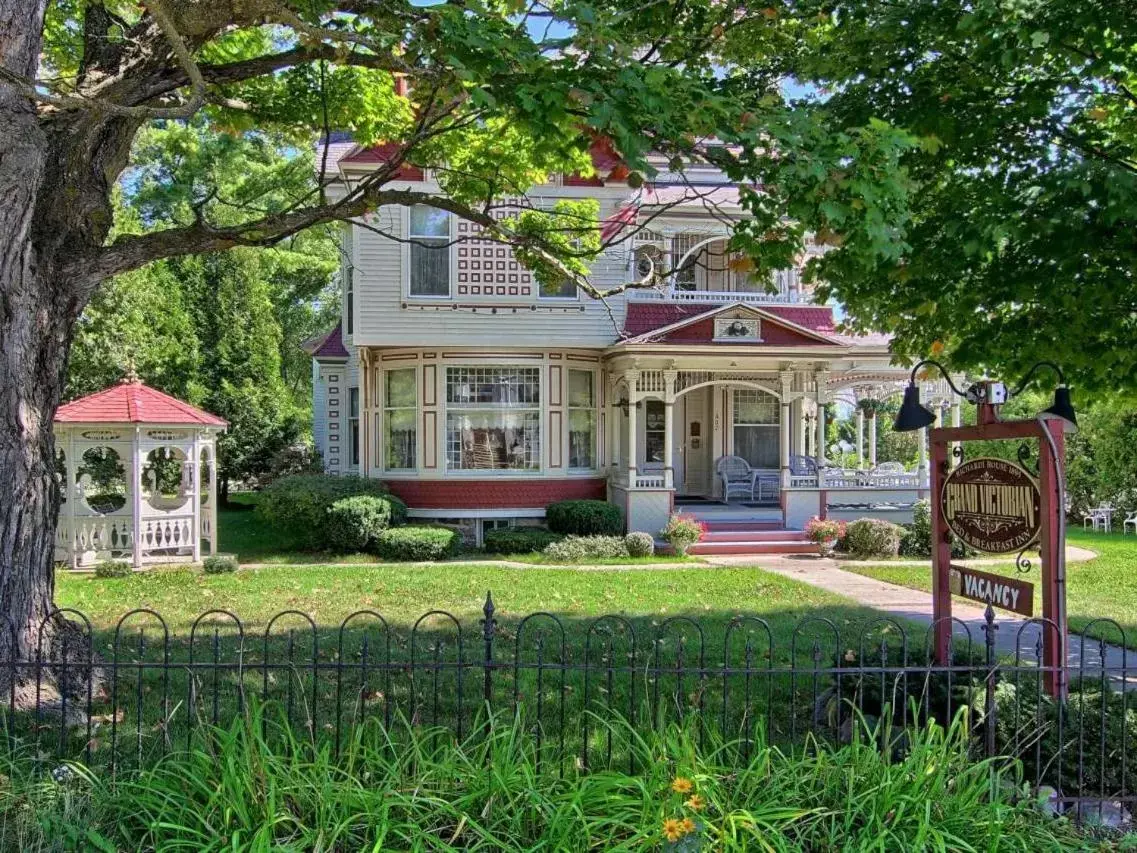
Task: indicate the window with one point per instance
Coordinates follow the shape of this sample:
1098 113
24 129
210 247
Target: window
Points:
756 428
562 289
654 433
400 413
686 260
353 422
493 418
582 419
430 251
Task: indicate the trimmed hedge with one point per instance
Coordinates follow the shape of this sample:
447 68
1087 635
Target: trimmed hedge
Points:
418 544
639 544
354 523
519 540
585 518
872 537
576 549
113 569
219 565
299 504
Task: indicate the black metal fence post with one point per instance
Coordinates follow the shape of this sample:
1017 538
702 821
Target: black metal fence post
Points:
989 629
489 624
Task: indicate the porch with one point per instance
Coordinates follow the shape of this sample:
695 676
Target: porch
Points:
752 444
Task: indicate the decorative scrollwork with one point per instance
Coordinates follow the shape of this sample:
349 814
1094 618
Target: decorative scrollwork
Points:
957 452
1023 563
1026 458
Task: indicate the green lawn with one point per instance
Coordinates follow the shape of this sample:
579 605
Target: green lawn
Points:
1102 588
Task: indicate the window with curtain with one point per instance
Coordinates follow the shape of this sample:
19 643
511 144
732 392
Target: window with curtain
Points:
654 433
353 423
493 418
430 251
582 419
400 414
756 427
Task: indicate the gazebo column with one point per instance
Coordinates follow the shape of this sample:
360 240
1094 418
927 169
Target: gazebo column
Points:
860 437
872 439
136 497
213 532
69 469
195 472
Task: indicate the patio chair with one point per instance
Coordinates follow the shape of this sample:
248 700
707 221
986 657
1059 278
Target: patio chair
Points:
889 468
1130 519
803 466
737 477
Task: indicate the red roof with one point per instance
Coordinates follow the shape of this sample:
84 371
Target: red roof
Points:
645 316
381 153
331 346
131 402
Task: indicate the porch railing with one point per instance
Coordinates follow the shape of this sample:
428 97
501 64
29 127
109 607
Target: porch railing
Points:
716 296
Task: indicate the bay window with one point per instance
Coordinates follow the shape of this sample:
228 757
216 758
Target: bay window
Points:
493 418
582 419
429 251
353 423
400 414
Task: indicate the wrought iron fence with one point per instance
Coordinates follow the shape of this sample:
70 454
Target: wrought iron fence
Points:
136 691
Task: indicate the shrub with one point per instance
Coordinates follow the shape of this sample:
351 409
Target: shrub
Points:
575 549
873 537
299 504
683 531
824 530
113 569
519 540
585 518
220 564
917 538
639 544
353 523
418 544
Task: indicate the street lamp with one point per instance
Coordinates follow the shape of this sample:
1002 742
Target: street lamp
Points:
913 415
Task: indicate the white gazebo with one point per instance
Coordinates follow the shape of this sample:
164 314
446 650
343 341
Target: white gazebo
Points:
139 476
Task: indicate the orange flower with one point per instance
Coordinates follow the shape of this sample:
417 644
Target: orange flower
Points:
682 785
696 803
688 825
673 829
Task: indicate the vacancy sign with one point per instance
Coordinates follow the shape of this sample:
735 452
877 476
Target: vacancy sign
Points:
997 590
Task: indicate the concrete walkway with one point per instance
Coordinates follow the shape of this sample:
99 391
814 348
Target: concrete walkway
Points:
916 606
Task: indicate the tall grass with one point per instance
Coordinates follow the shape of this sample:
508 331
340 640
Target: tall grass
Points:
248 790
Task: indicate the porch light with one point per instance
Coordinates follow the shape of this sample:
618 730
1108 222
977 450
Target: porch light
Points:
912 415
1061 407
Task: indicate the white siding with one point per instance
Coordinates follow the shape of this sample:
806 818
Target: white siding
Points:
319 412
385 318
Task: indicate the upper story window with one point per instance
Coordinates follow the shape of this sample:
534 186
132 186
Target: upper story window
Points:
563 289
430 251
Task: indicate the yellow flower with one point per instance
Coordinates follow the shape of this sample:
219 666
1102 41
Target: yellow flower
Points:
673 829
696 803
682 785
688 825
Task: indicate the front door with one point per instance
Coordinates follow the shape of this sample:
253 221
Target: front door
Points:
693 468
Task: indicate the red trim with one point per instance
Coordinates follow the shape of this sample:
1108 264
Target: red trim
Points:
495 493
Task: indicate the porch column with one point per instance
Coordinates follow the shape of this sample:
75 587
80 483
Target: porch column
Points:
872 439
669 377
136 497
632 377
820 379
613 425
860 437
787 379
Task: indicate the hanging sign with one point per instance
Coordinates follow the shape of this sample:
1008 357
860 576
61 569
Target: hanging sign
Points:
993 505
997 590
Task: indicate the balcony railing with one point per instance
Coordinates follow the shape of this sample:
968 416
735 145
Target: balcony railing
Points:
791 297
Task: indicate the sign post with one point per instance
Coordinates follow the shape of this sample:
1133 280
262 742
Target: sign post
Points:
999 507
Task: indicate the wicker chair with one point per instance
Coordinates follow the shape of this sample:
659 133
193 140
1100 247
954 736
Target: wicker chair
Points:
737 477
803 466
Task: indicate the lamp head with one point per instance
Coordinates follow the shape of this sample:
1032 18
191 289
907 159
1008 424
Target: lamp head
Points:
912 415
1063 408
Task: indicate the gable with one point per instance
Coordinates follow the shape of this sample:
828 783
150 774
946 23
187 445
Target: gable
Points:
741 326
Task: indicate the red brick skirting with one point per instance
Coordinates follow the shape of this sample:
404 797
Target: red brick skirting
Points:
494 493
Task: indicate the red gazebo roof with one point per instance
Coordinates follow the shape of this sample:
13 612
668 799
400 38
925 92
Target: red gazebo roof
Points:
131 402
